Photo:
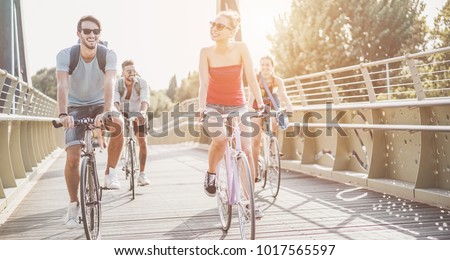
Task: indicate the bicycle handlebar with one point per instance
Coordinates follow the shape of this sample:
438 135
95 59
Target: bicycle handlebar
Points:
81 121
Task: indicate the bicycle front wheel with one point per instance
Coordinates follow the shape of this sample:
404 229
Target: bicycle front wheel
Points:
274 167
222 194
90 199
246 202
132 167
264 159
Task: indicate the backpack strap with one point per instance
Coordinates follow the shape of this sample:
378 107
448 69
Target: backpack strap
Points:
75 56
101 56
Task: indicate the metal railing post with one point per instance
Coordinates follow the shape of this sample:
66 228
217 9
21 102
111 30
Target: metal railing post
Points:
298 84
368 83
415 77
332 87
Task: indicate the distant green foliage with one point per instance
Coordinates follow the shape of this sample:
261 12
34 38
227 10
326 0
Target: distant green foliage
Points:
441 31
45 81
327 34
438 71
172 90
189 87
159 102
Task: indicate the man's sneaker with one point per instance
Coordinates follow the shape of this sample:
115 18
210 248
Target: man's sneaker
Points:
72 217
143 180
210 184
112 180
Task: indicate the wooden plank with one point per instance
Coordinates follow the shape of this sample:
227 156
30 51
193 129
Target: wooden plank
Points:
174 206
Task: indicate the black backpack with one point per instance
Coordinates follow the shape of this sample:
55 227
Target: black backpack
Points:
75 56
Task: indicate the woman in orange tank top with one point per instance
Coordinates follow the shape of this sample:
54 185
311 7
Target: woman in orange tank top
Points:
221 90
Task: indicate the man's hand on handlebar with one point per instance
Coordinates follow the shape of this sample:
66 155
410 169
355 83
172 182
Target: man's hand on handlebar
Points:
102 119
67 121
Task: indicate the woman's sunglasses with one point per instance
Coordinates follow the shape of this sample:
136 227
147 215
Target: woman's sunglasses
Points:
88 31
219 26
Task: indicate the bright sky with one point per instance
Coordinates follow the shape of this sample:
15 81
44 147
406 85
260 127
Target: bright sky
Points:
163 37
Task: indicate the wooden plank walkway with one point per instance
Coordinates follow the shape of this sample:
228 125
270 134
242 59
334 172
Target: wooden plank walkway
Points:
174 206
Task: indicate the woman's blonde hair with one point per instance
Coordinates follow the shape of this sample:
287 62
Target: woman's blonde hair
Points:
233 16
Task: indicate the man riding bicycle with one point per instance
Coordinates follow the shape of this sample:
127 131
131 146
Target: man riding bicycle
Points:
87 91
132 97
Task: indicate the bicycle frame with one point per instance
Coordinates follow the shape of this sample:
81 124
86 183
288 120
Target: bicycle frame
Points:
131 138
87 148
233 189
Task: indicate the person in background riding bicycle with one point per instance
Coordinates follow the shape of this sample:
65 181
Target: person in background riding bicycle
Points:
87 92
220 73
132 97
276 86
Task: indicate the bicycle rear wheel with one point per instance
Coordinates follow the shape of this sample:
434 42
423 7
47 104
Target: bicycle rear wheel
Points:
222 194
246 202
90 199
274 167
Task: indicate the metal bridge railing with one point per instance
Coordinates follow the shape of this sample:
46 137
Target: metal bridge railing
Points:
384 125
26 134
413 76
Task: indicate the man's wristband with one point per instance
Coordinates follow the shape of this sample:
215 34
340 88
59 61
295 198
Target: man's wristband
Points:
62 114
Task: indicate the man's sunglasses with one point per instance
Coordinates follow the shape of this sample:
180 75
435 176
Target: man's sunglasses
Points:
88 31
219 26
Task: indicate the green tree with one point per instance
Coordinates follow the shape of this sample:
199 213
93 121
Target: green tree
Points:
159 102
321 35
45 81
441 30
172 90
189 88
438 72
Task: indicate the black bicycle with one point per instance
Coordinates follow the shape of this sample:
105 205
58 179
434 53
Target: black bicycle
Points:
130 160
269 164
90 189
